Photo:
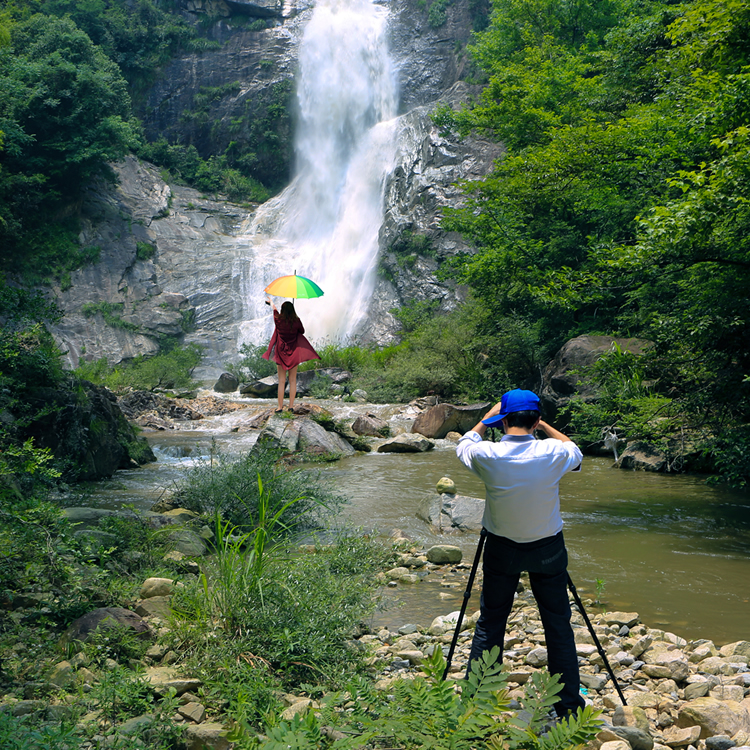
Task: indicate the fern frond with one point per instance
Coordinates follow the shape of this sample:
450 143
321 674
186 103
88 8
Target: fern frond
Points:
578 729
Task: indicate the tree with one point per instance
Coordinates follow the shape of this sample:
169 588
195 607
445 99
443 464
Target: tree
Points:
64 112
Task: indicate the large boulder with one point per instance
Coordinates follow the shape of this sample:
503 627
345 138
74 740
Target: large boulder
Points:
641 456
317 441
714 717
406 443
565 376
438 421
82 629
261 388
82 424
452 512
369 424
227 383
305 436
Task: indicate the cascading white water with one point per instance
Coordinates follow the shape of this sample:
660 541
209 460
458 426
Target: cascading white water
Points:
325 224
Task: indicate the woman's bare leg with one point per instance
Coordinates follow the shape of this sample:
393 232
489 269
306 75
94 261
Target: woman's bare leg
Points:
282 384
292 386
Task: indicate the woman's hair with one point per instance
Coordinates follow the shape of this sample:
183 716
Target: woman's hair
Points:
288 313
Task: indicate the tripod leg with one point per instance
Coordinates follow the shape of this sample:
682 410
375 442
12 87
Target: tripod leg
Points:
464 604
598 645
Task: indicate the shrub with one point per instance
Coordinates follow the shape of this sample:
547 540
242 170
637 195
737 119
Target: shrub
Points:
28 733
229 487
252 366
428 712
172 369
298 611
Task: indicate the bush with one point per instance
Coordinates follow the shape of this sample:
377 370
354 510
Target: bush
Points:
428 712
252 366
311 606
229 487
28 733
298 611
172 369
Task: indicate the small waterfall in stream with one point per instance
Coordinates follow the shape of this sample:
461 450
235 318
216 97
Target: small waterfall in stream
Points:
325 224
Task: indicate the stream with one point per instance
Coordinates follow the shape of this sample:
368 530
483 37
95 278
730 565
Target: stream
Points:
670 547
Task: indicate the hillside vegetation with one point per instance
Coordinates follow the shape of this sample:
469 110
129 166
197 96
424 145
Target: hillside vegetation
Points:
621 208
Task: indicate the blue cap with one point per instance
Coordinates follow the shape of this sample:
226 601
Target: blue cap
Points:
516 400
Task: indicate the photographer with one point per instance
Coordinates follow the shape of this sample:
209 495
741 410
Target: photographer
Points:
524 530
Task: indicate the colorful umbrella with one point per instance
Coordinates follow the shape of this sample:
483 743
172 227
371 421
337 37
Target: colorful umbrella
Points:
296 287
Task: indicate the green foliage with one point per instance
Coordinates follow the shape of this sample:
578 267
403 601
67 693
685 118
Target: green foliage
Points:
427 712
230 487
119 643
299 612
730 454
28 733
64 112
29 361
252 366
120 694
139 36
436 15
172 369
144 251
216 174
233 577
111 312
320 387
621 204
629 407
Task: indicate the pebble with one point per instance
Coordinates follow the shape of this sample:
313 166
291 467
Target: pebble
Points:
660 673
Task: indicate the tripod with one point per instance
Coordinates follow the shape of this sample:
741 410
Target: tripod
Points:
576 598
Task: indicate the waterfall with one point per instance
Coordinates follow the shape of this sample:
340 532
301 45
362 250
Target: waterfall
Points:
325 225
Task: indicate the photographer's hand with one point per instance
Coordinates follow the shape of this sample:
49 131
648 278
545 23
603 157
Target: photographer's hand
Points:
480 428
552 432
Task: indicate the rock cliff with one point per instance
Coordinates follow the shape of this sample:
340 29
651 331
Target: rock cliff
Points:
169 255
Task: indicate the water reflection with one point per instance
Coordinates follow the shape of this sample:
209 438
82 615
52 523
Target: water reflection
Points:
669 547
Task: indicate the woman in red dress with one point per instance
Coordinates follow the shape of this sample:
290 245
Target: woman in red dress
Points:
289 347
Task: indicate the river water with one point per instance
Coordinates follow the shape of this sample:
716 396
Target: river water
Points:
669 547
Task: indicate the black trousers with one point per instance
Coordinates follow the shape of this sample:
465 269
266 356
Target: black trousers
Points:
546 561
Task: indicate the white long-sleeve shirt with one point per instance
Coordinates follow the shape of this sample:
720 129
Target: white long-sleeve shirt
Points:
521 475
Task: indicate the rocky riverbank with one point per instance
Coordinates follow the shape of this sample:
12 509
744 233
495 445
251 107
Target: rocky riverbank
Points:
678 694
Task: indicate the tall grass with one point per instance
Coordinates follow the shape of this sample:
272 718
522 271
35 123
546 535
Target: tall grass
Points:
294 613
231 581
229 486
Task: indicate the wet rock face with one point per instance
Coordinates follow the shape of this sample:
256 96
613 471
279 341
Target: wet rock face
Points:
412 242
430 59
565 375
165 270
86 426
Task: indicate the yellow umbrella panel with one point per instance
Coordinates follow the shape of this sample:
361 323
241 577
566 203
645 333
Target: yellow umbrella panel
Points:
295 287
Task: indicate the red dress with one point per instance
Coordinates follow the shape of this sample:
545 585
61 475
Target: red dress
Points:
288 345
